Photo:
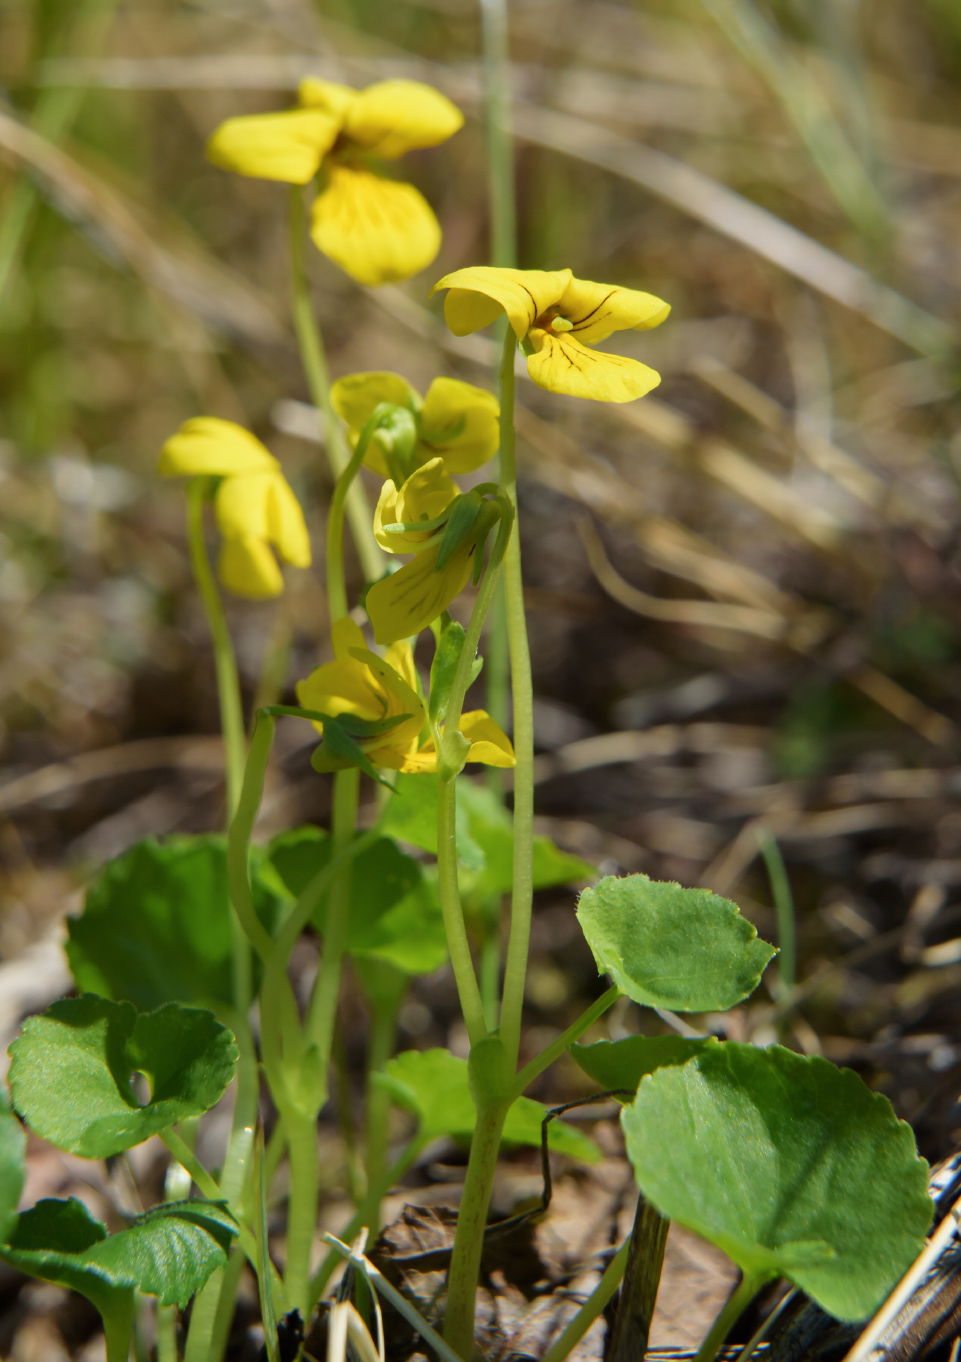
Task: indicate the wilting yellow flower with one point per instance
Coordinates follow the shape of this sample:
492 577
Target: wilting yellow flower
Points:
360 683
425 495
455 420
376 229
254 505
556 317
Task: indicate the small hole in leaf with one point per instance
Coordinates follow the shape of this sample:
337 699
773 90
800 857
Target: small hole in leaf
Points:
140 1088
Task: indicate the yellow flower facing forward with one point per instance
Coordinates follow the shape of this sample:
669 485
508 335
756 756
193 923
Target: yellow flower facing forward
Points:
360 684
556 318
254 505
425 496
455 421
377 230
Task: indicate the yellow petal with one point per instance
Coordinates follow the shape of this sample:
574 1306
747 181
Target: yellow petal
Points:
406 602
447 400
287 146
562 365
420 763
345 634
286 523
241 505
378 231
490 745
426 493
395 116
333 99
598 310
344 686
247 567
206 444
400 656
355 397
403 700
480 293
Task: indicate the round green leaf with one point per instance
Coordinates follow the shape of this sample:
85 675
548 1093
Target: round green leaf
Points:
12 1142
791 1166
156 925
72 1068
168 1252
434 1085
664 946
623 1063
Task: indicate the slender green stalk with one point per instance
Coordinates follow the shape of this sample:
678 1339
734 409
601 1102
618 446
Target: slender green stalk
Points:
340 501
490 958
522 689
117 1326
268 1312
319 1027
591 1308
301 1210
564 1041
383 1039
203 1319
318 382
784 907
457 943
167 1333
224 1318
469 1236
749 1287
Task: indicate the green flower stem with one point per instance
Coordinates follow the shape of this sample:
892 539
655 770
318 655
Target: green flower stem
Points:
336 588
564 1041
203 1319
523 886
167 1333
301 1209
319 1026
449 889
318 382
365 1215
750 1285
490 958
380 1047
469 1236
207 1185
226 1305
117 1325
238 836
591 1308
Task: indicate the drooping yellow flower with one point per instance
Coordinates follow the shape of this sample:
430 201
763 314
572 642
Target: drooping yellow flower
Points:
456 421
377 230
425 495
361 684
254 505
406 602
556 318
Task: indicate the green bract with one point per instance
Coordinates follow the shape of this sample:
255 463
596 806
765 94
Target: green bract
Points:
156 925
12 1143
623 1063
791 1166
434 1085
71 1069
664 946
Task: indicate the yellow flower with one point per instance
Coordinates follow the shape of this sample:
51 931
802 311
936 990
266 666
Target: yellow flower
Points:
556 317
361 684
254 505
376 229
455 420
407 601
425 495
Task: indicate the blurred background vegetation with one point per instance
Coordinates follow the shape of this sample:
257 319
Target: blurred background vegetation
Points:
744 592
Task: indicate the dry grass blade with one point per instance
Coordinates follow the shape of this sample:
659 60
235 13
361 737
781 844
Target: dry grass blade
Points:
222 299
700 614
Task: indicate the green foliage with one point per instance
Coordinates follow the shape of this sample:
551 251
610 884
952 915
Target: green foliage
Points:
492 828
395 911
485 836
664 946
156 925
813 720
791 1166
72 1068
168 1252
434 1085
623 1063
411 816
12 1142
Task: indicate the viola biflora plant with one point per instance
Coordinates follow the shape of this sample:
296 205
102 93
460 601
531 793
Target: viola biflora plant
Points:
180 956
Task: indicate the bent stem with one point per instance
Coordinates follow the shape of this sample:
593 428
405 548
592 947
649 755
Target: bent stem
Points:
591 1308
750 1285
318 383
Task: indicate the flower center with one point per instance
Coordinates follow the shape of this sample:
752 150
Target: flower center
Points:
550 321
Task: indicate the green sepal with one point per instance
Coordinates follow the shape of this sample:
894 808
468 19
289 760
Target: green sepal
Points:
454 752
71 1067
338 742
443 669
463 517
